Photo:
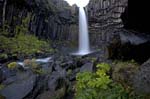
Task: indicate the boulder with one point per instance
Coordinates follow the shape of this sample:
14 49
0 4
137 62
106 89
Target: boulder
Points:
6 73
20 88
52 94
141 80
56 80
129 45
87 67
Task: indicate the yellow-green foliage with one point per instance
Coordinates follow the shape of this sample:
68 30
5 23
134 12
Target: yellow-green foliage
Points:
12 65
104 66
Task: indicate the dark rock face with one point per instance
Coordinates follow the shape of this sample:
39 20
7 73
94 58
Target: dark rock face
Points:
129 45
142 79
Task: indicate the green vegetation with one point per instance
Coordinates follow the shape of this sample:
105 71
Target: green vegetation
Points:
1 87
20 43
99 85
12 65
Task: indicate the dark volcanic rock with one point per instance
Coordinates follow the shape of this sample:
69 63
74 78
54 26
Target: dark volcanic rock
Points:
141 81
1 76
20 88
59 94
6 73
88 67
56 80
130 45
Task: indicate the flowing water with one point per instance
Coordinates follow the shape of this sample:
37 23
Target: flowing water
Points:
84 46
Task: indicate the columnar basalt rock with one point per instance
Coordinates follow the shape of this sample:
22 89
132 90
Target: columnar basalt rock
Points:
56 20
105 18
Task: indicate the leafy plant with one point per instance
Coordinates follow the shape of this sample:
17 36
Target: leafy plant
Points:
99 85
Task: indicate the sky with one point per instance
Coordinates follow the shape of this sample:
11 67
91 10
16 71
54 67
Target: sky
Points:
79 3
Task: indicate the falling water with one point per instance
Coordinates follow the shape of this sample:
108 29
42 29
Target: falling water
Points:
84 47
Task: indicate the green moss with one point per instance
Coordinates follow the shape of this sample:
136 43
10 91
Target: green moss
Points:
3 56
69 72
39 71
12 65
2 87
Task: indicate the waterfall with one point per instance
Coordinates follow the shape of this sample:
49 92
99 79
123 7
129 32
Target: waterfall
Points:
84 47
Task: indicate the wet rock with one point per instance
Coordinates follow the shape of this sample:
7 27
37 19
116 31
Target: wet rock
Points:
20 88
88 67
141 80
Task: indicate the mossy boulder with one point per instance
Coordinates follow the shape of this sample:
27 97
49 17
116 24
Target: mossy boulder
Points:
123 72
